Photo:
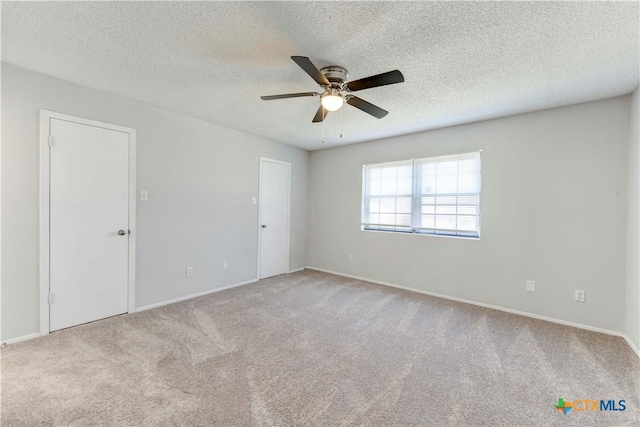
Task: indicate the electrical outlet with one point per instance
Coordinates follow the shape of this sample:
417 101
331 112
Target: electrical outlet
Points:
350 258
225 265
579 295
189 271
531 285
254 201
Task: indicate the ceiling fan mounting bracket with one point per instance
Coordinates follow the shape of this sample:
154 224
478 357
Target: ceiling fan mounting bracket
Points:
336 75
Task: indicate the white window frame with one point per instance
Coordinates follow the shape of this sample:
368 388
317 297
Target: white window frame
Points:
416 197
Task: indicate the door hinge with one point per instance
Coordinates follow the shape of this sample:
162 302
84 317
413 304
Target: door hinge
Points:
50 140
50 298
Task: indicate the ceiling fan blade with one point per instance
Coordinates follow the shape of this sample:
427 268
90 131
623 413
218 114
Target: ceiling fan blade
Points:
311 69
321 114
383 79
367 107
288 95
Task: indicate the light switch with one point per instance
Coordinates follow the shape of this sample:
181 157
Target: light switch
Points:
144 195
254 200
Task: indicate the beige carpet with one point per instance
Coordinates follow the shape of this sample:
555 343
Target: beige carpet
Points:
316 349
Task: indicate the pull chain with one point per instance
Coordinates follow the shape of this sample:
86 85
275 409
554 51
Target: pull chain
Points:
341 121
323 116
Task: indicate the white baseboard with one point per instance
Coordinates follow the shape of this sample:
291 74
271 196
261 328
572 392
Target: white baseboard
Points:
186 297
296 270
20 339
493 307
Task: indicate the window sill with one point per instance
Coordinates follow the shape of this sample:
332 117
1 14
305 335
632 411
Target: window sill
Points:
449 236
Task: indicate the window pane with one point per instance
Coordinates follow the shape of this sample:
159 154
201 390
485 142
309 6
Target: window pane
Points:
387 205
446 200
405 171
428 221
387 219
374 204
429 178
467 183
446 210
468 176
447 177
388 181
467 210
429 209
428 200
405 186
446 222
374 187
468 200
374 219
403 205
403 219
467 223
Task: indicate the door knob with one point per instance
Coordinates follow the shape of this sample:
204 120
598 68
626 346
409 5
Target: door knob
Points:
264 226
121 232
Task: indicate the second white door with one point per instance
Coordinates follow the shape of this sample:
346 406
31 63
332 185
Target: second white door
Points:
274 217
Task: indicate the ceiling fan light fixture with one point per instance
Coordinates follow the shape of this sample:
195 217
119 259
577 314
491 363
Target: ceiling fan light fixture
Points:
332 101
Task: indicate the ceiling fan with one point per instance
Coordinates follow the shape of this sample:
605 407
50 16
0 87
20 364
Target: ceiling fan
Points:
337 90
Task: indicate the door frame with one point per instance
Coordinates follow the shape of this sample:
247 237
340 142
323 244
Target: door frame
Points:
288 165
45 124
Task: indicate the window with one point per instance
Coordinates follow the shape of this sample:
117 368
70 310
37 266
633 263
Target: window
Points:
438 195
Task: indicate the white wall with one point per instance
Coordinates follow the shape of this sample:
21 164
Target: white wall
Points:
554 201
632 291
200 176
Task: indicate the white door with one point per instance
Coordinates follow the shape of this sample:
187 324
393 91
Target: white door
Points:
274 217
89 230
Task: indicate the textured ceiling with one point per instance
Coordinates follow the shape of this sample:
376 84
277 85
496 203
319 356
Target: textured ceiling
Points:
462 61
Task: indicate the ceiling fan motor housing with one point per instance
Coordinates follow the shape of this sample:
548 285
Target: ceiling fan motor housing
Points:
336 75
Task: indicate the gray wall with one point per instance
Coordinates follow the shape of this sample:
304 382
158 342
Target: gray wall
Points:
200 176
632 292
554 210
